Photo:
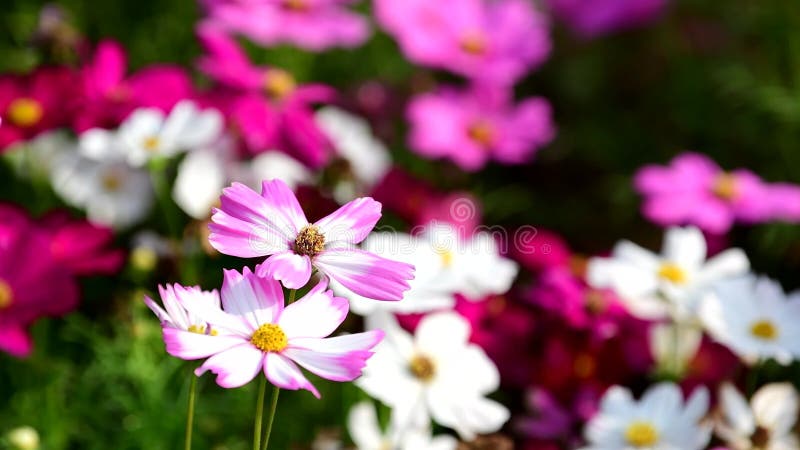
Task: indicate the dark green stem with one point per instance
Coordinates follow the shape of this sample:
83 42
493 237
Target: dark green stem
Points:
190 412
262 389
271 417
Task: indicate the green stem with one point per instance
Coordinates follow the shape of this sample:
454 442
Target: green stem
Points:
271 417
292 293
262 389
190 412
164 199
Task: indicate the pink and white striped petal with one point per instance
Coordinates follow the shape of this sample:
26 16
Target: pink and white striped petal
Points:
291 269
257 300
339 358
282 372
234 367
352 222
315 315
365 273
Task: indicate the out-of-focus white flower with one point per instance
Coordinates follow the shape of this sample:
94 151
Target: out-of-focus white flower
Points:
203 174
362 424
673 346
754 318
659 421
23 438
435 374
367 157
147 133
764 423
111 192
670 284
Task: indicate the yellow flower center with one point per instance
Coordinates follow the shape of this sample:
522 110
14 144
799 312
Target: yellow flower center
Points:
309 242
422 367
199 329
725 187
295 5
641 434
446 256
279 83
270 338
151 143
482 132
25 112
144 258
764 329
111 181
672 272
6 294
474 43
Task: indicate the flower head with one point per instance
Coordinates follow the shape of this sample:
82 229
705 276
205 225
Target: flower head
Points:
174 315
256 331
766 422
273 224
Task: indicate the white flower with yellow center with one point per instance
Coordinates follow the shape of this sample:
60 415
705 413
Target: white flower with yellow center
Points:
174 315
659 421
147 133
656 286
435 374
754 318
766 422
364 429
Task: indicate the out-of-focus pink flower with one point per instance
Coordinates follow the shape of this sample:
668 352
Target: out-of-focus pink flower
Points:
257 333
547 420
494 42
460 209
34 103
32 283
107 96
311 24
264 105
592 18
538 249
273 224
471 127
81 246
693 189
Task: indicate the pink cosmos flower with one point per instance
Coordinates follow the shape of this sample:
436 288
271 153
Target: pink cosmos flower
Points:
174 315
265 105
693 189
311 24
495 42
592 18
32 284
106 96
32 104
82 246
255 333
472 127
273 224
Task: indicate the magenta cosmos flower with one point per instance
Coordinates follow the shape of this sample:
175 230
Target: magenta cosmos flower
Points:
472 127
82 247
33 104
495 42
255 333
266 106
591 18
32 284
273 224
311 24
107 96
693 189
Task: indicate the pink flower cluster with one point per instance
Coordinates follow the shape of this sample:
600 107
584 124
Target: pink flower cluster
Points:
40 261
593 18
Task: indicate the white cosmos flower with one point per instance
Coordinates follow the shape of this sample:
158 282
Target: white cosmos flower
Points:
659 421
147 133
435 374
368 158
362 424
174 315
656 286
754 318
204 172
764 423
111 192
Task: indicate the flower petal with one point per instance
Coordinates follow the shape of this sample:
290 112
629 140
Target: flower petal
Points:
234 367
362 424
291 269
283 373
257 300
365 273
187 345
352 222
340 358
315 315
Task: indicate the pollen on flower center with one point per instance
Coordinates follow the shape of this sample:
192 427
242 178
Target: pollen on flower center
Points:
672 272
725 187
641 434
309 242
111 181
760 437
482 132
151 143
446 256
6 294
199 329
422 367
764 329
474 43
279 83
295 5
25 112
269 338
